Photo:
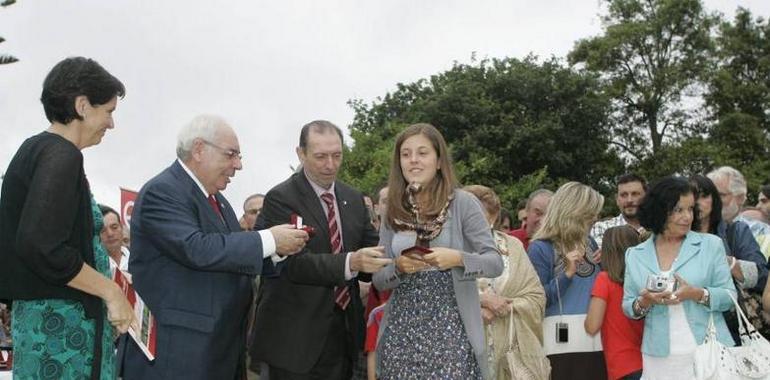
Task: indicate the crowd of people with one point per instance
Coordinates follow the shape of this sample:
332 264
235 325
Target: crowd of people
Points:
316 280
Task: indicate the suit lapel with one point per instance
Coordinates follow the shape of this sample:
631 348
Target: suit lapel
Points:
228 214
200 199
347 213
689 249
311 205
208 210
648 261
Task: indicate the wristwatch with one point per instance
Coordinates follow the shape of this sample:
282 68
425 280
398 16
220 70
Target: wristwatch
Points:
705 299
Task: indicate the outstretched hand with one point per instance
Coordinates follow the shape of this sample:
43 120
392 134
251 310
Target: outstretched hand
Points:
368 260
288 239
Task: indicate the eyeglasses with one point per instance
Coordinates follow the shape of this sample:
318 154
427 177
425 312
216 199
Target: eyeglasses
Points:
229 153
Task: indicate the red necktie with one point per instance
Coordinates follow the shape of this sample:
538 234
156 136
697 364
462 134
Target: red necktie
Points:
215 205
341 293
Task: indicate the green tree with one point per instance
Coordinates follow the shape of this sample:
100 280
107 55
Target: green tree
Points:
367 164
738 96
5 58
505 121
741 82
650 56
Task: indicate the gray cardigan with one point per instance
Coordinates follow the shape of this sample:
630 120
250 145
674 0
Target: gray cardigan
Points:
472 236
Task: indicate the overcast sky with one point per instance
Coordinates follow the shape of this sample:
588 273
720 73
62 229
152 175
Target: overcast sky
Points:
267 67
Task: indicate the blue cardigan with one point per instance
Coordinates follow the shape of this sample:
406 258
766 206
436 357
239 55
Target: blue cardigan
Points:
701 262
575 292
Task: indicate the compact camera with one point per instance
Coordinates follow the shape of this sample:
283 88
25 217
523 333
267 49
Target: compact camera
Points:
562 332
657 283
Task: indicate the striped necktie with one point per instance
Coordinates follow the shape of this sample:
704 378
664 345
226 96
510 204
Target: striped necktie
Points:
341 293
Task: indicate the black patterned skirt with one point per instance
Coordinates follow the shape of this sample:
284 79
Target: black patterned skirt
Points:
425 337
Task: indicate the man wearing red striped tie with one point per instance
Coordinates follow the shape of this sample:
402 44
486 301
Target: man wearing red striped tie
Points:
309 321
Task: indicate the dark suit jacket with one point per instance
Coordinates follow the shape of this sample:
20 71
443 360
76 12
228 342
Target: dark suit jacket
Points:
296 307
195 273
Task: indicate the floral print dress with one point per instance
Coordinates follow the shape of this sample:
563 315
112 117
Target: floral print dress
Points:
52 338
425 337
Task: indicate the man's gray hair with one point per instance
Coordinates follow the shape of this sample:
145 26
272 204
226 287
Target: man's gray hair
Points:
536 194
735 180
203 127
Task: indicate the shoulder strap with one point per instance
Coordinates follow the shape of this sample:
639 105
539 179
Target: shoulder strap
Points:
557 259
510 328
556 277
731 237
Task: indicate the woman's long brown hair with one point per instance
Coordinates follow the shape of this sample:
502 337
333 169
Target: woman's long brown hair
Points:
615 242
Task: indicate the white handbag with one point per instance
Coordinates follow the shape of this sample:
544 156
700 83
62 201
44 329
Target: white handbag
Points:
715 361
577 338
516 366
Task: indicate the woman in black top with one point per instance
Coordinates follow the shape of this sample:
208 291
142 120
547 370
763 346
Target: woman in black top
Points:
54 266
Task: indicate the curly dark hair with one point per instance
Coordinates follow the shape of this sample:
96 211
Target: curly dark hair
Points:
661 200
703 186
73 77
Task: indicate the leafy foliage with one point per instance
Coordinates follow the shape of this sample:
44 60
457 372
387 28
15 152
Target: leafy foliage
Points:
741 83
506 121
658 92
651 55
738 96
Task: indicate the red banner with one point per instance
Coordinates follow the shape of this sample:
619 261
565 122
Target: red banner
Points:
127 198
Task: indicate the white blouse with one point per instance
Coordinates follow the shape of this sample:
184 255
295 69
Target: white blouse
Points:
679 363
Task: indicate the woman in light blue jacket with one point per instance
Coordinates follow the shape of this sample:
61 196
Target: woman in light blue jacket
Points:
675 280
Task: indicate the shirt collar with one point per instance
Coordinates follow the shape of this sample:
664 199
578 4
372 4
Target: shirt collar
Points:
622 222
317 188
194 178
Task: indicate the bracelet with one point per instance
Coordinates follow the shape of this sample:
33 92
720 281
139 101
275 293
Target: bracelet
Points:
638 309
